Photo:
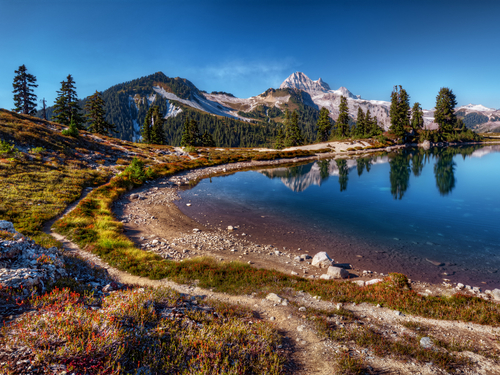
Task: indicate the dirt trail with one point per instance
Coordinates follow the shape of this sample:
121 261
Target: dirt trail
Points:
315 355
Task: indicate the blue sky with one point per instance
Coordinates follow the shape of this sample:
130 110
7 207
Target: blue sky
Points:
245 47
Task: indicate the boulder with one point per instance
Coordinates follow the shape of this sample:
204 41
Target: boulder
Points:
325 276
373 281
7 226
337 272
322 260
306 256
273 297
426 343
495 293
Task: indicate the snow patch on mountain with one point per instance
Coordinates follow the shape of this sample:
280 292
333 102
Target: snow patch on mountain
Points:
299 80
476 107
172 110
201 103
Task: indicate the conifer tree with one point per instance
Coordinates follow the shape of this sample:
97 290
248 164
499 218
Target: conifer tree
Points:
399 111
417 117
66 107
147 131
207 140
157 131
280 139
324 125
343 120
294 134
95 115
24 99
361 124
191 134
375 128
444 114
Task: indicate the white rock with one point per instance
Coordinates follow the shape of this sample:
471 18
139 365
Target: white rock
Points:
373 281
188 204
337 272
322 260
359 282
294 273
426 342
230 227
460 286
301 328
326 277
274 298
496 294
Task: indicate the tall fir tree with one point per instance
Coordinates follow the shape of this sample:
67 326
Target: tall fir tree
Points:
147 127
191 134
293 135
24 98
66 107
96 115
343 120
444 114
280 139
361 124
375 128
207 140
399 112
158 132
417 116
324 125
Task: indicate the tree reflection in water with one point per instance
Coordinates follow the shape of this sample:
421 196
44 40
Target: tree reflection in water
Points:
343 173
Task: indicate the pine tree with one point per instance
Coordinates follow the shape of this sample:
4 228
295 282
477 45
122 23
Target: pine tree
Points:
207 139
444 114
66 107
191 134
280 139
95 115
324 125
157 131
399 111
293 135
343 120
24 99
147 127
375 128
417 118
361 124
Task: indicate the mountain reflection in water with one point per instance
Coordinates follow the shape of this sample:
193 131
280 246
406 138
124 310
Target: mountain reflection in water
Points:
402 164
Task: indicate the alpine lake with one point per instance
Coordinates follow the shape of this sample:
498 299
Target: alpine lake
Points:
433 215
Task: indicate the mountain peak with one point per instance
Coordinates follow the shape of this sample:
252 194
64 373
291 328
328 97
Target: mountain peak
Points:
299 80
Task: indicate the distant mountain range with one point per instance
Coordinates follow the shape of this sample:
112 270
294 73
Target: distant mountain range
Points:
248 121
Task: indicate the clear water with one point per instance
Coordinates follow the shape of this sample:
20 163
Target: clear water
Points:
434 214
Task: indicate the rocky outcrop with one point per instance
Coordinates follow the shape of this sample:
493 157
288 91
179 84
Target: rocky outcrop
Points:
24 264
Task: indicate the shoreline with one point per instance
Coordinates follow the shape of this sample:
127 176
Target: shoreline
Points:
172 228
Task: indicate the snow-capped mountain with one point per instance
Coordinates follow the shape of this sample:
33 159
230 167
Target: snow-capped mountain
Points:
299 80
476 108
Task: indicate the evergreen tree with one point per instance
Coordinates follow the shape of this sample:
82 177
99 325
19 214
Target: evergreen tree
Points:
147 131
280 139
343 120
157 131
444 114
417 118
66 107
399 111
24 99
361 124
207 140
191 134
324 125
293 135
95 115
375 128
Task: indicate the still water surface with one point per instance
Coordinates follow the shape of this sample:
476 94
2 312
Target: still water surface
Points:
432 214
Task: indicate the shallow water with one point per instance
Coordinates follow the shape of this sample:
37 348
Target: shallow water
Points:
432 215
